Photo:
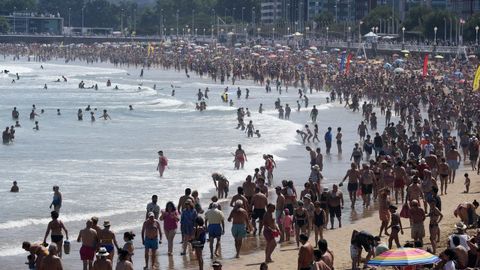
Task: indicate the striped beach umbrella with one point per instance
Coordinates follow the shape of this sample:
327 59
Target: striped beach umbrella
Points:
404 257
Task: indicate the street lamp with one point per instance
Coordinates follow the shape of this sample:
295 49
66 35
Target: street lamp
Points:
177 22
69 21
26 21
476 34
14 11
306 31
435 35
348 37
359 32
403 35
258 33
273 33
243 9
327 34
83 20
288 30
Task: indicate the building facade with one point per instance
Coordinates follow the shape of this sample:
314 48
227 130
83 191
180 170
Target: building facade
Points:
29 23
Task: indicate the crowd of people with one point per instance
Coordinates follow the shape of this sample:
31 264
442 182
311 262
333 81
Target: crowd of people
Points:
407 166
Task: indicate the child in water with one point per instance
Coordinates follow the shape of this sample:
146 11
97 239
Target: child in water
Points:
257 132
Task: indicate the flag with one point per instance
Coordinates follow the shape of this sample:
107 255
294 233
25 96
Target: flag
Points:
347 69
476 80
425 66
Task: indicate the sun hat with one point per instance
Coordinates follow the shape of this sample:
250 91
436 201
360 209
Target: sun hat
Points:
106 223
102 252
460 226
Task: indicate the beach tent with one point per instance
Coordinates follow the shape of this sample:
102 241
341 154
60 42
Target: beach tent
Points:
439 57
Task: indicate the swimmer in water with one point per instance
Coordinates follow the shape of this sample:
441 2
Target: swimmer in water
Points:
173 92
130 107
80 114
105 115
36 127
17 124
58 112
116 87
257 132
45 87
14 188
92 116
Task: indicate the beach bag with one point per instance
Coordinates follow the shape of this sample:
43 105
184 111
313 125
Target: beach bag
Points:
405 212
66 247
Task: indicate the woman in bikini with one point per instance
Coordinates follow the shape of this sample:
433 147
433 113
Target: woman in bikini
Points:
435 218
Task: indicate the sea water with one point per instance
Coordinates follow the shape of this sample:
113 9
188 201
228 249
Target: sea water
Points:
107 168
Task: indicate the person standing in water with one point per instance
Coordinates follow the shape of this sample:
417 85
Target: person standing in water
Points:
55 227
57 199
105 115
240 158
162 163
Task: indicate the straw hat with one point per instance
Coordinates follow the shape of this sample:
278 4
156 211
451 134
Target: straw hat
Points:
460 226
106 223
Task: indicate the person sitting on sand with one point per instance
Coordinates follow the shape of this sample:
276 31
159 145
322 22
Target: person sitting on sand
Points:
14 188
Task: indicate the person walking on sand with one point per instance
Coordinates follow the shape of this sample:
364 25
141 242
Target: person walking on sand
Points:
153 207
57 199
384 214
395 226
240 222
162 163
56 226
305 254
108 239
89 238
151 237
335 206
453 158
215 222
353 176
258 204
170 224
417 217
270 228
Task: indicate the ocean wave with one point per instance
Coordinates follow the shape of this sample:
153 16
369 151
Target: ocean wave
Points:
13 224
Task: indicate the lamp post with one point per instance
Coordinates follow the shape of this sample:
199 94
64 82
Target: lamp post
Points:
161 24
83 20
307 29
288 30
193 19
435 35
258 33
476 35
26 21
243 10
69 21
348 37
121 22
403 35
177 22
14 11
225 15
273 33
359 32
204 34
327 34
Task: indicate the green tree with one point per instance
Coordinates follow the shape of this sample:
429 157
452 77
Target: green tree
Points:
324 18
415 18
65 8
4 26
436 18
9 6
102 13
469 27
379 13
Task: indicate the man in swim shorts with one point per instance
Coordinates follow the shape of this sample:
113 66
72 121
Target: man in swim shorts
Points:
150 237
259 202
215 222
240 222
89 238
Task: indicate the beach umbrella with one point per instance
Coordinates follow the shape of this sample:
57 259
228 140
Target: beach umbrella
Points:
405 51
438 56
297 34
313 48
370 34
472 56
404 257
238 44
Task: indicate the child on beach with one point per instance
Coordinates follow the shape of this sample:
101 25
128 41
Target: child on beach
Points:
467 183
199 239
396 227
287 224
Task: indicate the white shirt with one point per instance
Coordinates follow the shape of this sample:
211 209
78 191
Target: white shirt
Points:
153 207
463 241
